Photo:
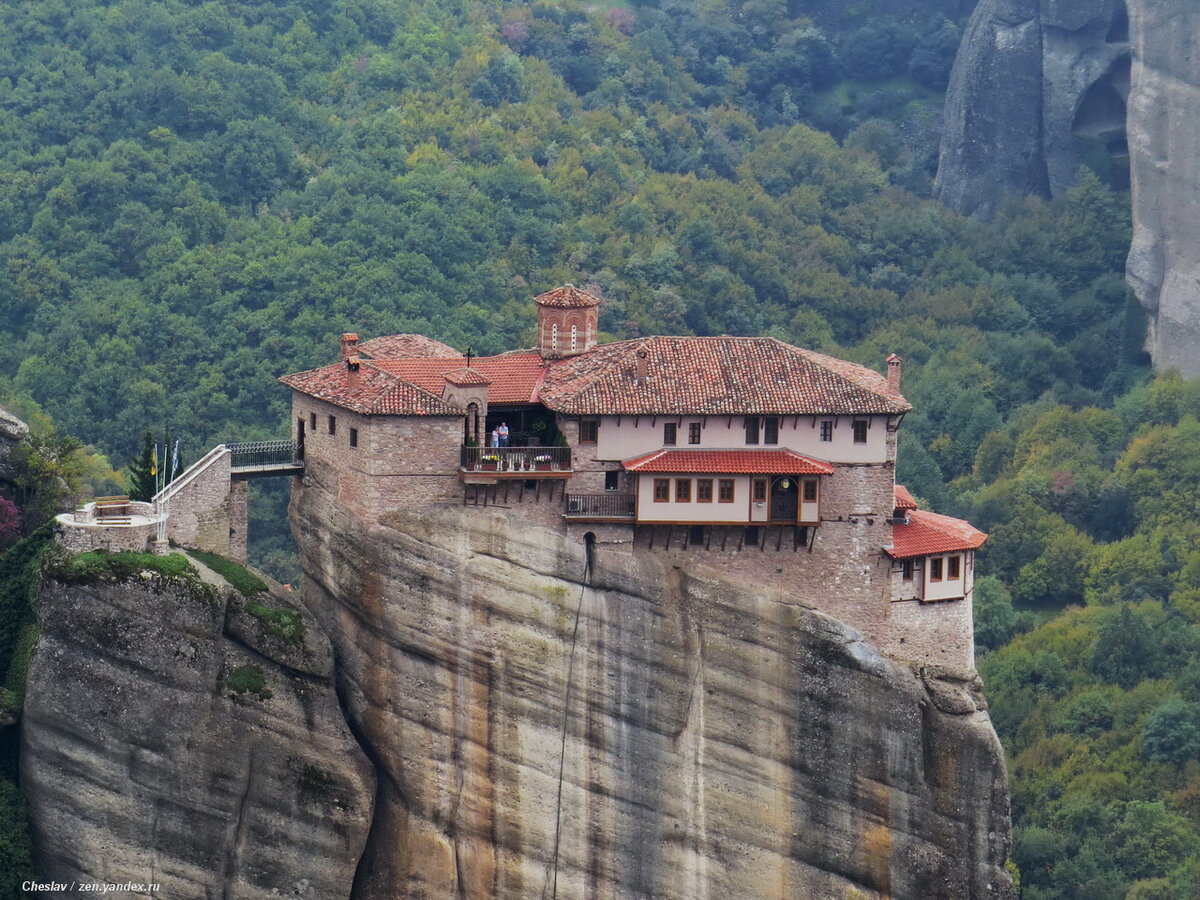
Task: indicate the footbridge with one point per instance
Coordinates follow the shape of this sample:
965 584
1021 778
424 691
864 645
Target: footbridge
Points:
205 505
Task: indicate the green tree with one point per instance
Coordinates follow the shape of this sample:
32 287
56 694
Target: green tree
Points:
1125 651
142 483
1172 732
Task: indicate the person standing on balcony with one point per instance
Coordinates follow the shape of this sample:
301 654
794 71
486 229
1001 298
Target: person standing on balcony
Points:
495 437
503 434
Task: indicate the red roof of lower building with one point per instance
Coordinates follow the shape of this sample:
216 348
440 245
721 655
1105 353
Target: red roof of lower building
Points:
370 391
904 500
927 533
396 346
778 461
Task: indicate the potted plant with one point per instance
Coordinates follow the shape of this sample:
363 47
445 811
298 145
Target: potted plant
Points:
543 462
489 462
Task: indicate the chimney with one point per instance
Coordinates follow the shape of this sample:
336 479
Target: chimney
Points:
642 366
894 365
349 345
352 366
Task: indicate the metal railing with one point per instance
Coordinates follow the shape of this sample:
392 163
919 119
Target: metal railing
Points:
255 454
609 505
516 459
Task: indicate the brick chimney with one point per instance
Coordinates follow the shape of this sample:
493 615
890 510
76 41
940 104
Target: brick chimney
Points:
349 345
353 364
642 365
894 365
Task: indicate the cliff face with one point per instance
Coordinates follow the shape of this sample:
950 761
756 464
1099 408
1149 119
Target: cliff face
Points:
169 736
1038 87
660 732
12 432
1164 129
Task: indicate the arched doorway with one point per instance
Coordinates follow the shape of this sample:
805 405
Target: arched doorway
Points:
471 425
785 498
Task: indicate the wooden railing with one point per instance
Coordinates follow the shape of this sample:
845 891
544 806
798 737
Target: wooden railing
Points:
516 459
255 454
609 505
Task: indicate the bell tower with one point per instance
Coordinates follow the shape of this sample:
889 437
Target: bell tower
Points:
567 321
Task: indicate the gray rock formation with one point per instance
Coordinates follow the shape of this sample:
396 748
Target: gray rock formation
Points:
12 432
1164 128
660 733
1038 87
169 736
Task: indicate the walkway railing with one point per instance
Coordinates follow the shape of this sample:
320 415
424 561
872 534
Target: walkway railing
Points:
260 454
609 505
516 459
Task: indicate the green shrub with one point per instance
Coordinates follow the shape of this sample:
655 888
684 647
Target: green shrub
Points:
243 580
285 623
248 679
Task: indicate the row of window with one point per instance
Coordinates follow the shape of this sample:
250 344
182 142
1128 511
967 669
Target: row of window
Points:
312 424
683 490
759 430
948 568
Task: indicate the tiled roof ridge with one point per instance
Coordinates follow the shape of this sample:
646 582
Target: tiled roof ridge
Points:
734 460
567 296
928 533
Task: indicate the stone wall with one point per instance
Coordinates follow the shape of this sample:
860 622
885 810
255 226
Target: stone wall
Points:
200 513
80 538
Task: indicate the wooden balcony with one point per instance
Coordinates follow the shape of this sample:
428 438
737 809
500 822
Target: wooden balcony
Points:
517 462
610 506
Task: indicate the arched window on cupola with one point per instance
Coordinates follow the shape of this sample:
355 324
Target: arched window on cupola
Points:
554 336
574 338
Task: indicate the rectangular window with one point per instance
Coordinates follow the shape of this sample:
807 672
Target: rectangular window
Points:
860 431
704 490
662 490
696 535
826 431
612 480
312 422
669 434
906 569
333 424
589 429
810 490
725 490
683 490
694 433
935 569
771 430
760 490
752 429
953 568
353 437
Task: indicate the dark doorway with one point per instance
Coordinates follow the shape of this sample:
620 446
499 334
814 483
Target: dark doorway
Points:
785 499
299 439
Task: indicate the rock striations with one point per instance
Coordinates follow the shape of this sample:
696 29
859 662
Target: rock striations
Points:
1164 130
1038 87
653 731
170 737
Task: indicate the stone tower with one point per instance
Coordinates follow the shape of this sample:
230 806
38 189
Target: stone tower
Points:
567 319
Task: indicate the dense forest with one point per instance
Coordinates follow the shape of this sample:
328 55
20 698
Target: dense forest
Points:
199 197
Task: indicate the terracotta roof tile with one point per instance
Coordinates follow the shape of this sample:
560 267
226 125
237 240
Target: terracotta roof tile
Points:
515 377
466 376
715 376
780 461
397 346
373 393
904 500
567 297
928 533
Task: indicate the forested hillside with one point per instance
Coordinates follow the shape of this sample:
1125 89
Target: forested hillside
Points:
198 197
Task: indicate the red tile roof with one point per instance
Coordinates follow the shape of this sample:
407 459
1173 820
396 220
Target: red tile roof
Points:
567 297
466 376
397 346
374 392
904 500
715 376
779 461
515 377
928 533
